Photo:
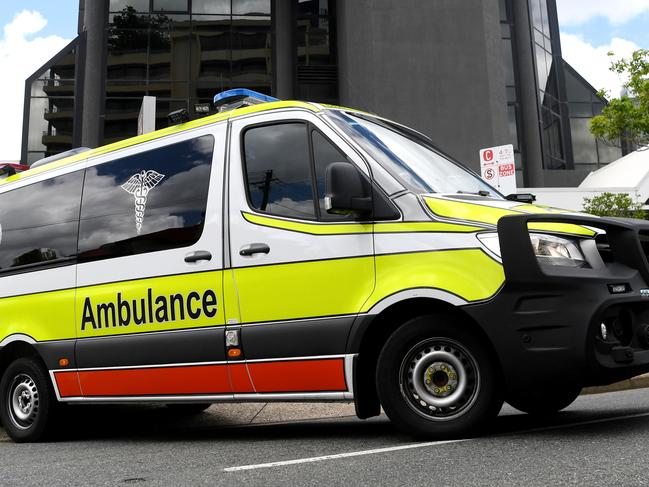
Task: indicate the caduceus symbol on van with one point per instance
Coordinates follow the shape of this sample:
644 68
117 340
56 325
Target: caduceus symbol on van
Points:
139 185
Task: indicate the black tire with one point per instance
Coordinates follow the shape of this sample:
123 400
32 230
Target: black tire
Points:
551 402
419 361
188 409
27 401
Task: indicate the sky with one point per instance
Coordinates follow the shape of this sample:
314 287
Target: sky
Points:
32 31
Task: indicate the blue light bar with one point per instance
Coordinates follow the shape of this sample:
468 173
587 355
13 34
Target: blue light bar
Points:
237 94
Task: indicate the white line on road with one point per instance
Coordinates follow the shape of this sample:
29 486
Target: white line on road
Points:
341 455
428 444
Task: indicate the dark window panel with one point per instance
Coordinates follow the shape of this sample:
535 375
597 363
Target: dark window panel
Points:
217 7
207 89
541 67
171 5
212 55
584 148
279 181
126 89
545 22
580 109
127 54
136 5
537 19
502 5
607 153
251 7
174 211
252 54
169 89
31 237
170 50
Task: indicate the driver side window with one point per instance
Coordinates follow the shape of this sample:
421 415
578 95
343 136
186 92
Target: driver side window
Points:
285 168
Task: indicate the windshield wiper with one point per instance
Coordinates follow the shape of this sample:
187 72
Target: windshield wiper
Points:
482 192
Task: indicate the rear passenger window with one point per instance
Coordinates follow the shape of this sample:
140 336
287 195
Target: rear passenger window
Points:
278 170
146 202
39 222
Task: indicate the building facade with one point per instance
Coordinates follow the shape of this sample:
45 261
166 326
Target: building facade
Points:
469 74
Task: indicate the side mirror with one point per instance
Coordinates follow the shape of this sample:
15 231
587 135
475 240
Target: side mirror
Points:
521 198
347 190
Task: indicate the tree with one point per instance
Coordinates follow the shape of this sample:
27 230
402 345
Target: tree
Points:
611 204
626 119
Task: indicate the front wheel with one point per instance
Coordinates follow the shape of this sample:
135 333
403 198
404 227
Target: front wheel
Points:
27 401
436 379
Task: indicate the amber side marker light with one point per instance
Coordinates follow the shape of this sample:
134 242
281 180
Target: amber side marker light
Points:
234 352
64 362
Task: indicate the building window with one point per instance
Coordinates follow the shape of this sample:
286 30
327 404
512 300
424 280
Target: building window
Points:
50 123
584 103
182 52
547 78
317 64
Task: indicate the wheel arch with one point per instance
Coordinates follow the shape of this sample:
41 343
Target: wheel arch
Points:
14 348
370 332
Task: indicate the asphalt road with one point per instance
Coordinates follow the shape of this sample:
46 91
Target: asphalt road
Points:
600 440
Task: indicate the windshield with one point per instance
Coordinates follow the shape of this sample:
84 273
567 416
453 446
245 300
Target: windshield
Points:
409 156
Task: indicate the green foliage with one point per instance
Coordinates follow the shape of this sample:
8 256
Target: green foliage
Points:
611 204
627 118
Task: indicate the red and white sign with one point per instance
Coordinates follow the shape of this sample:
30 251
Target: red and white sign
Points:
498 168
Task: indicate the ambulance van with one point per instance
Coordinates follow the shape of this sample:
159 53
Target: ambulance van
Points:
289 251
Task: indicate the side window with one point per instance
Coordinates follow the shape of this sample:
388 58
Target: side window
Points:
324 153
146 202
39 222
278 172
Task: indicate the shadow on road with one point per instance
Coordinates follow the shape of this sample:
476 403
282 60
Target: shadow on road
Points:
153 423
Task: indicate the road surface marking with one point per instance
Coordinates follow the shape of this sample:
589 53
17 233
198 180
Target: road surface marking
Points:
428 444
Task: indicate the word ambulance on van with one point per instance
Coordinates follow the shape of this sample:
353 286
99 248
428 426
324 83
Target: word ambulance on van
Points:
290 251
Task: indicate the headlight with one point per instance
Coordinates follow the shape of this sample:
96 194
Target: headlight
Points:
553 250
549 249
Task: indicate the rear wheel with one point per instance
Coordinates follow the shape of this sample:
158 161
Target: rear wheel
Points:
436 379
27 402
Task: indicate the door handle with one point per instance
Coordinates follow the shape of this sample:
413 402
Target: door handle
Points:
254 248
198 256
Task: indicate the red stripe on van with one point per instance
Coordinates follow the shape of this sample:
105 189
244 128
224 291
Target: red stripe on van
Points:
299 375
240 378
68 384
163 381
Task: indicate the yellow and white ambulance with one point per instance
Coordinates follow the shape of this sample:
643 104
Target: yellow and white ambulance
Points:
288 251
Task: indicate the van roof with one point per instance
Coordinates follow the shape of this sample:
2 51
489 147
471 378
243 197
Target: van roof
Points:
174 129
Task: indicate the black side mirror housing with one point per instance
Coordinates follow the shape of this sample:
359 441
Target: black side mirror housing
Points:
521 198
347 190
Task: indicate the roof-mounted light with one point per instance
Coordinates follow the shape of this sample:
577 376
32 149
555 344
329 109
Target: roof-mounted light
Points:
239 97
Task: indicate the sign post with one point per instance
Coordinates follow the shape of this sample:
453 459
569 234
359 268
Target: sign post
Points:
498 168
